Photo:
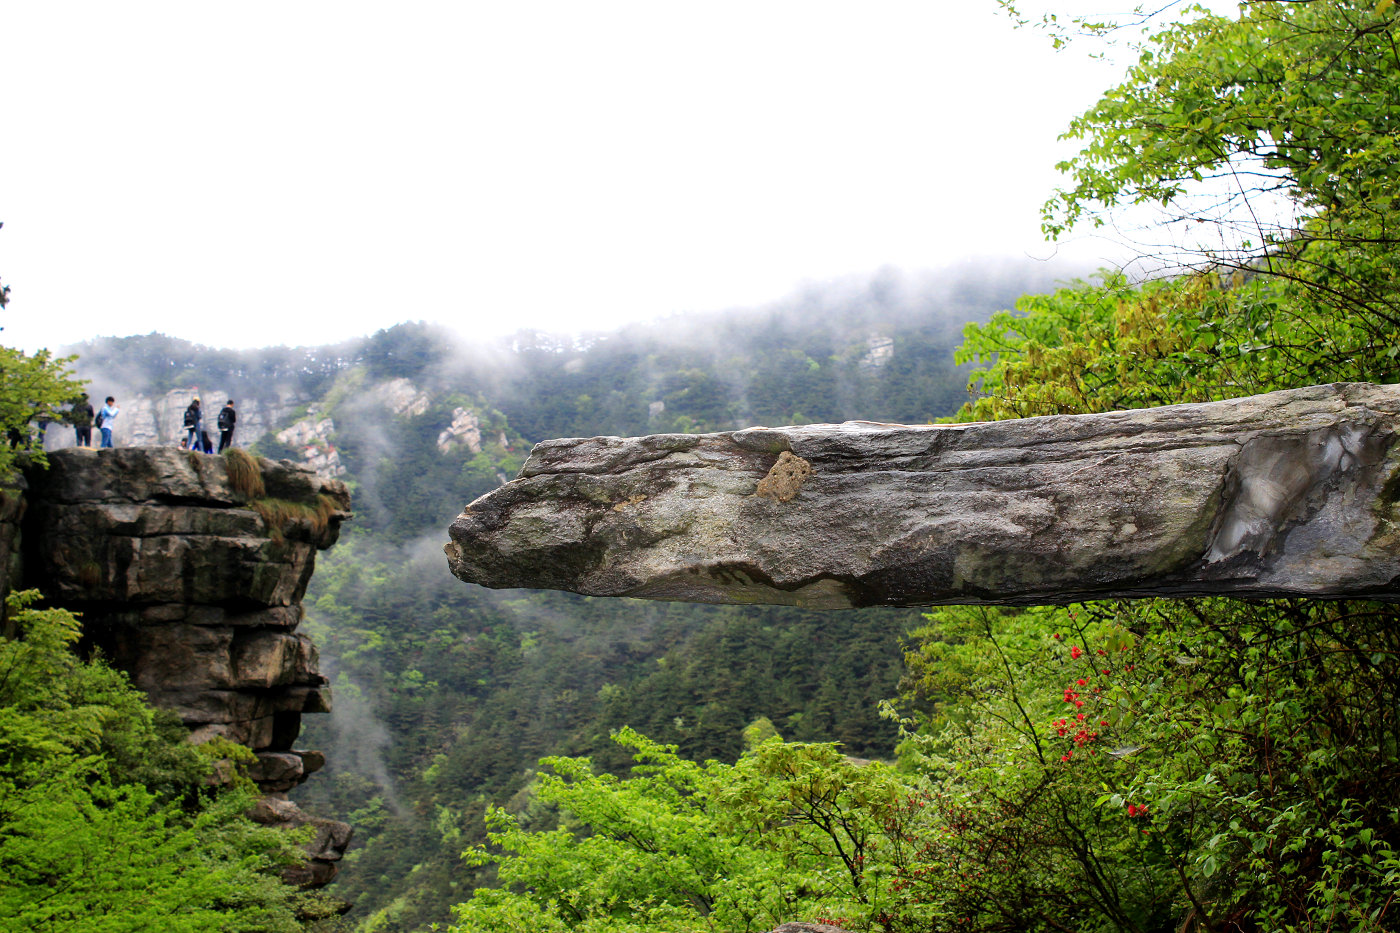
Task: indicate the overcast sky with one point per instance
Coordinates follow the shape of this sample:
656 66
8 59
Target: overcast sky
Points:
300 172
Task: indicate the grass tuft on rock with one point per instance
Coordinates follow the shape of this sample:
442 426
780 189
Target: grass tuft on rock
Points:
280 513
244 473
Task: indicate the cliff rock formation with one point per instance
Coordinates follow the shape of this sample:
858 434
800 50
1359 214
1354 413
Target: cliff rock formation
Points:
1290 493
189 571
311 439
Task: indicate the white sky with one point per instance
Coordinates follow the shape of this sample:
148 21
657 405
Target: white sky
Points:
300 172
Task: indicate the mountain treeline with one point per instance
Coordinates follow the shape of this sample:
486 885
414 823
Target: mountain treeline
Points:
1151 765
447 695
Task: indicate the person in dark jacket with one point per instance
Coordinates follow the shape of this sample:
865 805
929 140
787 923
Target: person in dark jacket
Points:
194 424
227 419
81 417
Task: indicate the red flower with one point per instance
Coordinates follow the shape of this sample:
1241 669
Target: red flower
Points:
1075 652
1081 681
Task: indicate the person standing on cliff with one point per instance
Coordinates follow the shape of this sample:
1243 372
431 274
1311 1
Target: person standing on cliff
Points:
81 418
194 423
227 419
105 417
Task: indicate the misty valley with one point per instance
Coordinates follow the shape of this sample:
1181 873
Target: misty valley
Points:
1135 670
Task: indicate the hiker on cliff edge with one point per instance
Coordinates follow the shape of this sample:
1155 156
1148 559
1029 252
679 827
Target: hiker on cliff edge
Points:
194 424
227 419
80 416
104 420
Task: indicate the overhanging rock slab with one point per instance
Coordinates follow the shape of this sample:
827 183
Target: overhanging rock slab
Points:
1287 494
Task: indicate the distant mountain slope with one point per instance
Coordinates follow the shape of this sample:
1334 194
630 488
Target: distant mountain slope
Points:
446 695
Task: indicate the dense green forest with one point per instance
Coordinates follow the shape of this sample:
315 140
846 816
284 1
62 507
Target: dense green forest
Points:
469 689
447 696
107 821
1145 765
1139 765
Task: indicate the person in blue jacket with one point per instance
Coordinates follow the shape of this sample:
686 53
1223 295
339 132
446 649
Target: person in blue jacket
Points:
105 417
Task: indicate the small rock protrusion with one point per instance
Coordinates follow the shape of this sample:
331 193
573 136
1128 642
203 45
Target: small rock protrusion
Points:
785 479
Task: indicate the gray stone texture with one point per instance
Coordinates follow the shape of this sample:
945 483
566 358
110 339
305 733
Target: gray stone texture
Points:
182 583
1286 494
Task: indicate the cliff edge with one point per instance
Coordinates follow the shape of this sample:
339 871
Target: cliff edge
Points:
188 571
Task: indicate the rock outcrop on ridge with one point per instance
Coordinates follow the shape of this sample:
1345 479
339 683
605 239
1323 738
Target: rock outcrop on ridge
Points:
1287 494
189 573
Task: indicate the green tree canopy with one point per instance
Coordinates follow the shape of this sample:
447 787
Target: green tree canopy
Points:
1271 138
32 388
105 822
1150 765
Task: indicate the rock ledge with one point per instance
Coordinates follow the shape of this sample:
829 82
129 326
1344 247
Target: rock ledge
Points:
193 586
1287 494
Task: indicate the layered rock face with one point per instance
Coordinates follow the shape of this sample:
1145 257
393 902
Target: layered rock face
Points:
1286 494
191 580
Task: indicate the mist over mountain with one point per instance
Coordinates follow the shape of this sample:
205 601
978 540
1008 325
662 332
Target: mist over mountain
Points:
847 348
447 695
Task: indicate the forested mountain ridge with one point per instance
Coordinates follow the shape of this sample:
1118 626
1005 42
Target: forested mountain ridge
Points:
445 695
1141 765
1148 765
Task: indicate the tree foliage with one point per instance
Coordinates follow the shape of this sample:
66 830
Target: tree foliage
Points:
1270 138
681 846
105 821
1156 765
455 693
38 388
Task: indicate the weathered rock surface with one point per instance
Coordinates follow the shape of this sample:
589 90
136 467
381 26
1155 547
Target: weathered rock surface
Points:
311 438
328 842
399 396
1290 493
465 430
182 582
